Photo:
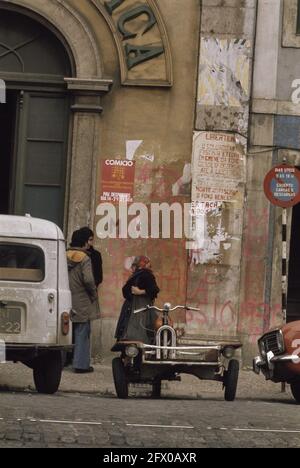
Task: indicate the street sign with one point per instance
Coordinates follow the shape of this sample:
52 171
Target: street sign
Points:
282 186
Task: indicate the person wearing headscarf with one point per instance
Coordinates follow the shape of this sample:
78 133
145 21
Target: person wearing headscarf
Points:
139 291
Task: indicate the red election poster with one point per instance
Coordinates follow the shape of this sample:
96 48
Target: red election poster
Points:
117 180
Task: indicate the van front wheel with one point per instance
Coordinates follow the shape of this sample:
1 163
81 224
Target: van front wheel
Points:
47 373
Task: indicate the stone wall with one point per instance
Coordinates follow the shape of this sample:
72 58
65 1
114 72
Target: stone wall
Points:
223 98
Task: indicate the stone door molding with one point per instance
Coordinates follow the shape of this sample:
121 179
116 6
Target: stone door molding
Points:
71 29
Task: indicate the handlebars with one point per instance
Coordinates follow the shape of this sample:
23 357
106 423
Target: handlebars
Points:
167 308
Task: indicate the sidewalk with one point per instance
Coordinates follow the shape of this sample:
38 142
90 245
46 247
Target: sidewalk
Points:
17 377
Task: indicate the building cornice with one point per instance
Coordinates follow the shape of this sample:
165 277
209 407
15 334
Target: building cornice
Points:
93 86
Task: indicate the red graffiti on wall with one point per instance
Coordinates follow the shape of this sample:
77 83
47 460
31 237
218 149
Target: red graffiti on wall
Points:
199 292
255 315
221 317
252 314
215 316
205 289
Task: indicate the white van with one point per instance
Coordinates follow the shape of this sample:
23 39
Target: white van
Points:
35 299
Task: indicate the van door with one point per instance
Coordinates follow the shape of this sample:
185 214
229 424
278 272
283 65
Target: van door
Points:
28 291
64 294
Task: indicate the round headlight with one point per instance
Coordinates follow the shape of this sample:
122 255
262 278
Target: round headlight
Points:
131 351
228 352
262 349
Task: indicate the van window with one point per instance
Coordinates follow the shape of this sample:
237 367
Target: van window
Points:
24 263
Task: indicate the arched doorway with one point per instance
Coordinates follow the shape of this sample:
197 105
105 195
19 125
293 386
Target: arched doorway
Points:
34 121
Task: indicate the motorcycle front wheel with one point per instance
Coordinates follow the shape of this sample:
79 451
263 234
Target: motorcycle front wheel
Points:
120 378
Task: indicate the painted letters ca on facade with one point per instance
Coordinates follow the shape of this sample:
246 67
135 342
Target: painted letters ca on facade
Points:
141 38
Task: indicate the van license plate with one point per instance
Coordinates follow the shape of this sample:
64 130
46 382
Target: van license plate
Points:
10 321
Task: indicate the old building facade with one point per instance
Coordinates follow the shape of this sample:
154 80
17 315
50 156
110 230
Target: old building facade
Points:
197 94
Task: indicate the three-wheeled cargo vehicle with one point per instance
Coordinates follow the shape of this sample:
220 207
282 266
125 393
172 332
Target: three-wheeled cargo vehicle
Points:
171 356
35 299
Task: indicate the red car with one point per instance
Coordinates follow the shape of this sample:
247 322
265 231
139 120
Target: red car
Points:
279 358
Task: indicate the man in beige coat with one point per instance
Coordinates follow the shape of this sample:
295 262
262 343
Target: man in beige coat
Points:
85 304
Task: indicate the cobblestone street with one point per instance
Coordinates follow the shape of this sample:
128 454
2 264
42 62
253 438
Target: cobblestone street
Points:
181 419
85 421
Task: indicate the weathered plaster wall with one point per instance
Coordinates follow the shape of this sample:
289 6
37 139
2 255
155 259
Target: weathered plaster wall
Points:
262 303
224 90
227 34
274 125
162 120
267 44
257 310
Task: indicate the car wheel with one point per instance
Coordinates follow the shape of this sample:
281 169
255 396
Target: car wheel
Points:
156 389
231 377
295 388
120 378
47 373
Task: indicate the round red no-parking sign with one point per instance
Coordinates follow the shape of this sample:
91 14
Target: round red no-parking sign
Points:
282 186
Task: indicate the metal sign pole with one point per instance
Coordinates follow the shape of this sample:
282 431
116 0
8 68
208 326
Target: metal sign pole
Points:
284 265
284 276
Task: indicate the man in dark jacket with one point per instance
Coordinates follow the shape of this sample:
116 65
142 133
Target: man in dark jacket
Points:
95 256
85 305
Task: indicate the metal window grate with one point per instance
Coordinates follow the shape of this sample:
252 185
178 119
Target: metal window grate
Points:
272 343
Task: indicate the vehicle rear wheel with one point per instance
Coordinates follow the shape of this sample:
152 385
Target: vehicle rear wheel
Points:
231 377
156 389
47 373
120 378
295 388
